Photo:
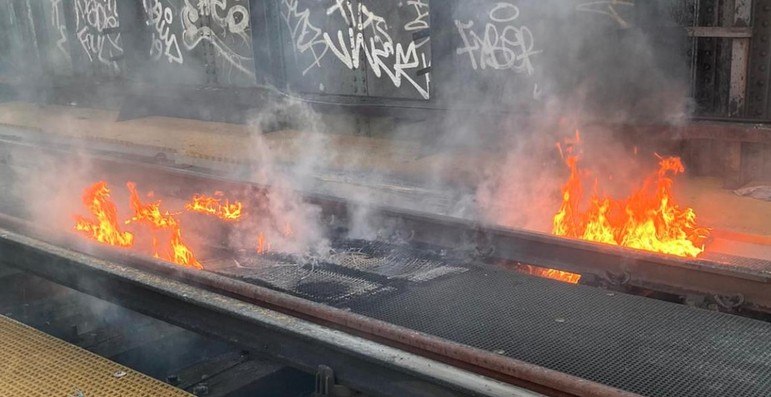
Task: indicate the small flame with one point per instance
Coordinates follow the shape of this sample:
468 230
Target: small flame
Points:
553 274
263 246
648 220
105 228
208 205
150 214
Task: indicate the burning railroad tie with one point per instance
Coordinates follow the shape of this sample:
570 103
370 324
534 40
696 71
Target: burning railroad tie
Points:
105 229
165 228
176 250
649 219
214 206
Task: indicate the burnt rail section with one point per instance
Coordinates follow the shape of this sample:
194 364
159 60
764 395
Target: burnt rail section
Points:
736 283
241 313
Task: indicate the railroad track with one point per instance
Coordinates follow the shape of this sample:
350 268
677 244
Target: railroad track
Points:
466 325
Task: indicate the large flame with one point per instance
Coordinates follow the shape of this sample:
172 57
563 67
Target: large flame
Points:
165 228
214 206
105 228
649 219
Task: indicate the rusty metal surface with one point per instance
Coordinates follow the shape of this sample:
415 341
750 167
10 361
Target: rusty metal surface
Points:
35 364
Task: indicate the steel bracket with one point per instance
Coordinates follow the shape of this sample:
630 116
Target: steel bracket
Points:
326 386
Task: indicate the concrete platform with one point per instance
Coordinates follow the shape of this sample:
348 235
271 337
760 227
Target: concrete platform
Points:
35 364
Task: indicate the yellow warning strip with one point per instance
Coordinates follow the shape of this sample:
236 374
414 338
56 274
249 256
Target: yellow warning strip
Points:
35 364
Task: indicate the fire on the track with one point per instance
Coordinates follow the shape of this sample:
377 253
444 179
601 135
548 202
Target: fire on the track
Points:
164 230
105 227
554 274
215 206
649 219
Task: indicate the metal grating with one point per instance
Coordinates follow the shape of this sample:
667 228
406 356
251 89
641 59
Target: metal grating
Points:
392 261
642 345
35 364
739 262
355 270
637 344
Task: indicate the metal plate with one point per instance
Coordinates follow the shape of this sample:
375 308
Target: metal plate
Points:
637 344
35 364
356 270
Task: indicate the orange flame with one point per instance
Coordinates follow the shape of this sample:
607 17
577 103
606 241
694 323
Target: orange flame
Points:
649 219
151 215
208 205
559 275
263 246
105 228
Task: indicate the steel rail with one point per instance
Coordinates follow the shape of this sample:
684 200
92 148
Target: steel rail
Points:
76 270
632 268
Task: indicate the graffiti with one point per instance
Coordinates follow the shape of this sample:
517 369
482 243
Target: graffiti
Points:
57 21
421 23
163 41
607 7
367 33
502 46
228 29
96 27
421 18
305 37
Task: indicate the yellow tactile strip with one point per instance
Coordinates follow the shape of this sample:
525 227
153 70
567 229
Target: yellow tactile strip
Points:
35 364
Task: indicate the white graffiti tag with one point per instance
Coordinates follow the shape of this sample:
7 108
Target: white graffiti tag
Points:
163 41
229 26
367 34
306 38
502 45
94 18
607 7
